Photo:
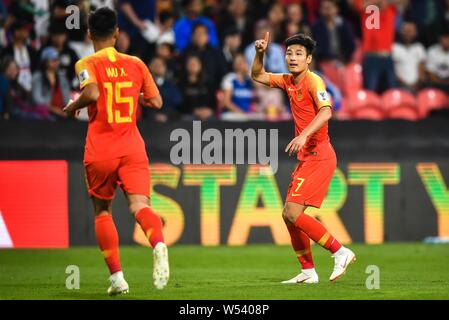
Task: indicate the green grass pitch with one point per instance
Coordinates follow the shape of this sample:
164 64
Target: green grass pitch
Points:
407 271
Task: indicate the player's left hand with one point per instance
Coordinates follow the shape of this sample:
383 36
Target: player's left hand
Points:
296 144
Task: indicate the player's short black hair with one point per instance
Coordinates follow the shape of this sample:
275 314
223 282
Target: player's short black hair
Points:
303 40
102 23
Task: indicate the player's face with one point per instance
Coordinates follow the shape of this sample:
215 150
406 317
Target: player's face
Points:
297 59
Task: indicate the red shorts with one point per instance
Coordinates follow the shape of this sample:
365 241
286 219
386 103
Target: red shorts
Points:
131 173
310 182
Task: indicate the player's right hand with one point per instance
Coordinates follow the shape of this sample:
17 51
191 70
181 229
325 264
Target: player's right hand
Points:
262 44
69 111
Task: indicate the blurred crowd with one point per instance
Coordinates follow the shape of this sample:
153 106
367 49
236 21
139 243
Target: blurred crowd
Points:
200 51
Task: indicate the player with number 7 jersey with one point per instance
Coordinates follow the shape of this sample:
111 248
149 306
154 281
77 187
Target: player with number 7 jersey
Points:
311 110
112 85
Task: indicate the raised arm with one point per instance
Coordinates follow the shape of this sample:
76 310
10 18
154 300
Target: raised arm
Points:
258 72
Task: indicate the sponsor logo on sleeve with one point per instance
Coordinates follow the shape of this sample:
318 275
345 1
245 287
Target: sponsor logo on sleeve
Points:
83 75
322 96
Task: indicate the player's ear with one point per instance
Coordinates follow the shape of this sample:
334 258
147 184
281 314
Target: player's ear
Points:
116 33
89 35
309 59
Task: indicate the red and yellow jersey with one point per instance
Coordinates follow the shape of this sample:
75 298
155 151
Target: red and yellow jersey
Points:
306 98
112 131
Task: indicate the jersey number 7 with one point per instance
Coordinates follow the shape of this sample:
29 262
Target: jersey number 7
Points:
114 94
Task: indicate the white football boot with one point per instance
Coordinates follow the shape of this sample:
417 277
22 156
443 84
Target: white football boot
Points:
342 258
118 284
161 271
306 276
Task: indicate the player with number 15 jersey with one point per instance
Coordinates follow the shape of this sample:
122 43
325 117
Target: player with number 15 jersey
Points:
112 85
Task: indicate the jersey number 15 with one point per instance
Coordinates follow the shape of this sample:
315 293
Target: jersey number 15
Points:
114 95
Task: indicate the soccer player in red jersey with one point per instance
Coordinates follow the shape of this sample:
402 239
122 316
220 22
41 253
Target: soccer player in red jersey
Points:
311 110
111 84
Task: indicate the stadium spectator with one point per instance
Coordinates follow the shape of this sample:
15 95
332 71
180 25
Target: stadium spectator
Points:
23 10
377 43
211 58
295 21
132 17
275 56
438 22
95 4
231 46
51 87
312 8
438 63
237 87
41 19
67 56
422 13
82 48
16 101
236 17
123 42
4 88
166 51
409 58
24 55
183 27
259 8
276 18
166 23
169 92
3 25
333 34
199 98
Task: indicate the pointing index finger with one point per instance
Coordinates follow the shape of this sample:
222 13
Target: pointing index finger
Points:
267 36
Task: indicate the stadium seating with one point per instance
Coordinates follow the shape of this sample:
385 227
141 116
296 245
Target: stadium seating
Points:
343 113
400 104
365 104
431 99
353 78
334 72
357 56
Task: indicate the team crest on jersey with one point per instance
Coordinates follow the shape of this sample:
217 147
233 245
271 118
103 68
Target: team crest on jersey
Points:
322 96
83 76
299 95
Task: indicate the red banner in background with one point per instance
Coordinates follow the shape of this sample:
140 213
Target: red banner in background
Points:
34 204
